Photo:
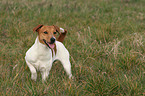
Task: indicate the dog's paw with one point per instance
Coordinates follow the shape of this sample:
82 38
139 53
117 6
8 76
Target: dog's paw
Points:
71 77
62 30
34 77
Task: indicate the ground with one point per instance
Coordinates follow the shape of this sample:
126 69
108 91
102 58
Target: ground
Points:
106 42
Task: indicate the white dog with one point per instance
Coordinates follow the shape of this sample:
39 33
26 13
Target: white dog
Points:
46 50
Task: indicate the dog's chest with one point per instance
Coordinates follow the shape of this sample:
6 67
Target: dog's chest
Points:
44 59
44 53
40 56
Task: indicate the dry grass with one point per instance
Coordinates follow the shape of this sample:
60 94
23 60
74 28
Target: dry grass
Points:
106 40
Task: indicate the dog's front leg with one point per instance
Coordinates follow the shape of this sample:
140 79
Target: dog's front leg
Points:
44 73
33 71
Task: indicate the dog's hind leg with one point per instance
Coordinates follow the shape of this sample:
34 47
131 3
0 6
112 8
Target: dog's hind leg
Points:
67 66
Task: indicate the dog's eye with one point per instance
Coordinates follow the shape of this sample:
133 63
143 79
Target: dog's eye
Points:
45 32
54 32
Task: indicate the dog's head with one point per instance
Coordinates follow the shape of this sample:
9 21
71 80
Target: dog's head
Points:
47 34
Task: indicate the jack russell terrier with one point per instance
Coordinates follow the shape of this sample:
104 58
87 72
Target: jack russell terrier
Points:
46 50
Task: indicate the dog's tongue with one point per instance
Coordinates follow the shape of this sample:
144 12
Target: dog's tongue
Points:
51 45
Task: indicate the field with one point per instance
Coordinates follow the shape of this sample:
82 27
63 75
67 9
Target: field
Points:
106 41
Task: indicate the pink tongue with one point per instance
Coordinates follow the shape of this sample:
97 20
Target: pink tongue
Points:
51 45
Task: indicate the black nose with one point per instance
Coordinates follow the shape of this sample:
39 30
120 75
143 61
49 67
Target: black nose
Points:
52 40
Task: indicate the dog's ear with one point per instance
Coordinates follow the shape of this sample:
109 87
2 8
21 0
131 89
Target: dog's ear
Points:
57 29
37 28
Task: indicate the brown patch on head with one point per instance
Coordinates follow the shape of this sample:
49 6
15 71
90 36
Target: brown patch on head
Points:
57 29
37 28
47 33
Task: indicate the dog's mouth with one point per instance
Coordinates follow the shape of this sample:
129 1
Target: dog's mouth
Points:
51 46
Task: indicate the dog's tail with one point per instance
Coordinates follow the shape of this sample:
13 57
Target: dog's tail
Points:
62 35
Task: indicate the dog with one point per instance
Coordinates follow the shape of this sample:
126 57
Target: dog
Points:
46 50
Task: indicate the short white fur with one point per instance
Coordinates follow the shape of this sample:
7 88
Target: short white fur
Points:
39 57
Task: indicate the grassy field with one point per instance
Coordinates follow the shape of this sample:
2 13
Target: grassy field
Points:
106 41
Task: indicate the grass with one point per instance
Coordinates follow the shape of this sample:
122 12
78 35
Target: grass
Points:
106 40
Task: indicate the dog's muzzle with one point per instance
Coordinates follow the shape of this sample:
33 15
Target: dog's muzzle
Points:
52 40
51 44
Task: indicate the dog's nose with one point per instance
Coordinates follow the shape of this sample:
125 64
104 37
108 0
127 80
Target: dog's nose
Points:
52 40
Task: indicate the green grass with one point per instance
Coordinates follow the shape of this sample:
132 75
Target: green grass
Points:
106 41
